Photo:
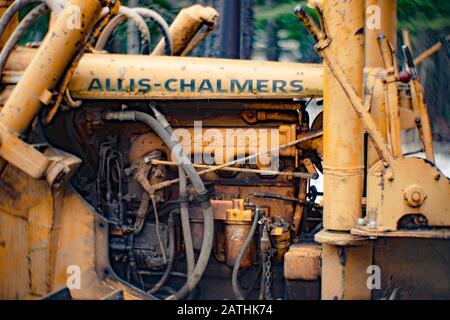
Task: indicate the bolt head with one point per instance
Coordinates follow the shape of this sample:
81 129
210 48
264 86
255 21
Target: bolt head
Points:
372 224
415 196
361 222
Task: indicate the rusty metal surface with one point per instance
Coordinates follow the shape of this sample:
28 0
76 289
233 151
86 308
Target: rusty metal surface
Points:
418 268
186 26
45 228
390 199
58 49
165 74
237 227
302 262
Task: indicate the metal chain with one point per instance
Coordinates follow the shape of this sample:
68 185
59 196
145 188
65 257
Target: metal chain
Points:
268 275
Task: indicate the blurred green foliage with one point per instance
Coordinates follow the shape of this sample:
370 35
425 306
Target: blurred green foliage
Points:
416 15
419 15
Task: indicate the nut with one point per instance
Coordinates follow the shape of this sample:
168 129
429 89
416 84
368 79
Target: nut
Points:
414 196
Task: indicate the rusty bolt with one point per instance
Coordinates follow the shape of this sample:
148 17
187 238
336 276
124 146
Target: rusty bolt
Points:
372 224
390 176
361 221
415 196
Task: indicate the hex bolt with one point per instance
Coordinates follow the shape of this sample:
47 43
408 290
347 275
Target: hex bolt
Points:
390 176
415 196
361 222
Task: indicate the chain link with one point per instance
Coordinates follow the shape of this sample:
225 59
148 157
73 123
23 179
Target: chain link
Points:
268 275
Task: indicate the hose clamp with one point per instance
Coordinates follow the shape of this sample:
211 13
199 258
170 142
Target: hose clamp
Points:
202 197
184 198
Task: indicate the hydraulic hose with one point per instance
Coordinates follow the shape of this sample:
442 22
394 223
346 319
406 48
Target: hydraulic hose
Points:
163 26
11 11
184 210
18 5
57 6
234 276
124 14
23 26
202 193
170 264
185 224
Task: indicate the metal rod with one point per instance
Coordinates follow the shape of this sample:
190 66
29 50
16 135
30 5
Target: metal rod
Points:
428 53
365 117
307 136
247 170
392 100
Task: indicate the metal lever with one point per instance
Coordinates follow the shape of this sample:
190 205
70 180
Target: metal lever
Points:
409 61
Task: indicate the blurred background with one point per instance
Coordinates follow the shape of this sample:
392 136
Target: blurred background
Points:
268 30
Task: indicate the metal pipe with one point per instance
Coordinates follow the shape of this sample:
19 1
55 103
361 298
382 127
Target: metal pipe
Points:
381 18
385 13
343 134
429 52
48 65
305 137
392 98
234 276
246 170
336 70
424 125
186 26
230 31
162 77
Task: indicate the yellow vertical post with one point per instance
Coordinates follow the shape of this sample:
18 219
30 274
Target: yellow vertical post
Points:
381 18
343 133
344 272
343 266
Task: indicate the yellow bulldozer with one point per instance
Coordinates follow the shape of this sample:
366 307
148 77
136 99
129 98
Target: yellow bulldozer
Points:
164 176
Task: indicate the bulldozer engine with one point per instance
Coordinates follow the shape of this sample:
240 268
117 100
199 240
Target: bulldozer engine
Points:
162 176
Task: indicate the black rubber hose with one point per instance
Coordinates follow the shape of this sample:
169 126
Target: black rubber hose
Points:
202 193
234 276
170 264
